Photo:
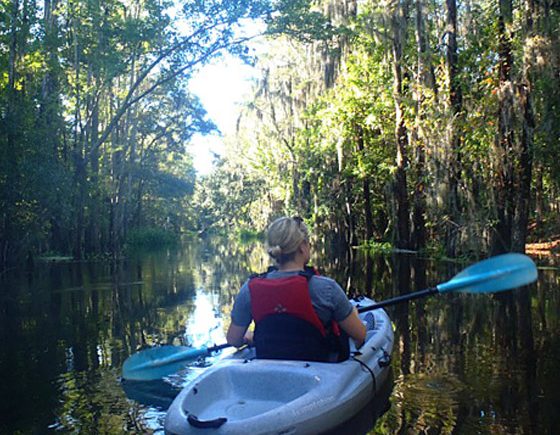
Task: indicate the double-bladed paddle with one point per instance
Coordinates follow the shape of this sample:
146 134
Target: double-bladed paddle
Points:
488 276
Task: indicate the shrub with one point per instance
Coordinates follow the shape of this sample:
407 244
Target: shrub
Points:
374 247
151 238
246 235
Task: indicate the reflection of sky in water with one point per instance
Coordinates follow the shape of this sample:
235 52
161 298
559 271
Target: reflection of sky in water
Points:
203 328
154 420
145 403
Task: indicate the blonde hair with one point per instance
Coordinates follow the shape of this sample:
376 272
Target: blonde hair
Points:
284 236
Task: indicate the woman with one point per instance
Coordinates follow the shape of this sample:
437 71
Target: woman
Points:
297 313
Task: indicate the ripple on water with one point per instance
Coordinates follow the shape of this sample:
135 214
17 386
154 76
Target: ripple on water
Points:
97 402
429 400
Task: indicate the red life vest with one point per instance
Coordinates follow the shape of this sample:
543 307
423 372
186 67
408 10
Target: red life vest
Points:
286 324
288 295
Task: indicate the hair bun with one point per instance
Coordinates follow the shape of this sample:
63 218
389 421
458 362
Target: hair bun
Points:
274 251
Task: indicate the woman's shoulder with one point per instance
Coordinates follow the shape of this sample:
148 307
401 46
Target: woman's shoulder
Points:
245 287
324 278
324 281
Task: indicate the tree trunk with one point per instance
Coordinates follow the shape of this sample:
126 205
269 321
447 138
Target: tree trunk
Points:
50 121
454 134
539 198
94 224
94 237
425 84
504 182
138 213
366 187
398 21
50 88
525 169
12 60
350 218
524 176
129 138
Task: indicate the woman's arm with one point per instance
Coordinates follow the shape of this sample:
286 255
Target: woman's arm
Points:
354 327
240 315
236 335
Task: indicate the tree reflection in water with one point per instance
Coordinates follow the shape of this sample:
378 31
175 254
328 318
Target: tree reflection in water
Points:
462 364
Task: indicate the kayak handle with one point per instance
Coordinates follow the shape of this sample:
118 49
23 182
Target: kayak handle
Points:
205 424
384 360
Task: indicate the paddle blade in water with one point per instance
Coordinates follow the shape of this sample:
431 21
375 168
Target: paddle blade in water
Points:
495 274
157 362
150 393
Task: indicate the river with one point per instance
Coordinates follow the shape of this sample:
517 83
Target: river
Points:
462 363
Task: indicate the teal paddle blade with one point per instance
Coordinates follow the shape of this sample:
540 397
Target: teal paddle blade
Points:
157 362
495 274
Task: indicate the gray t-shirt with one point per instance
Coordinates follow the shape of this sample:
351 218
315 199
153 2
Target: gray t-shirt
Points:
327 297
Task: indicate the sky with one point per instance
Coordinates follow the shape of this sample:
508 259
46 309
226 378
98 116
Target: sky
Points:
221 86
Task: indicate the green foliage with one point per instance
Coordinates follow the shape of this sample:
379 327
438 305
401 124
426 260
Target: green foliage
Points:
319 132
95 116
151 238
306 154
229 198
96 113
435 250
249 235
374 247
299 20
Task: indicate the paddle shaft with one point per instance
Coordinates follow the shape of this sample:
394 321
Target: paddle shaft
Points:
455 283
398 299
218 347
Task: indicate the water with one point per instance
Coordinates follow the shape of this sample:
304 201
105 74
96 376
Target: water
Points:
462 363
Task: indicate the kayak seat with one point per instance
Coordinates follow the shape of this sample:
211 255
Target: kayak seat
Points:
287 337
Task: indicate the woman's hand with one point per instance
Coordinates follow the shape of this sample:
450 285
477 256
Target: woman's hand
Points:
249 338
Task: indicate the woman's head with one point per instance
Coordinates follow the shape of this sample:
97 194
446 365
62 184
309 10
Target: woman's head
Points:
284 237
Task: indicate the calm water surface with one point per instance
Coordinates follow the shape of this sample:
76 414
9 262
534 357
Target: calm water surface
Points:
462 363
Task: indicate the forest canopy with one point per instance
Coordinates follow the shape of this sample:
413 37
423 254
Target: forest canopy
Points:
432 126
425 126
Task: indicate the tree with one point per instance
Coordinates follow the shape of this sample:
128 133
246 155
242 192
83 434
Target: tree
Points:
82 81
398 33
454 134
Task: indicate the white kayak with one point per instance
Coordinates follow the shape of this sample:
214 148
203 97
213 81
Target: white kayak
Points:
243 395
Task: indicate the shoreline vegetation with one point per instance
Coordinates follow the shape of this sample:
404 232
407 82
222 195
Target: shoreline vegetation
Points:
154 239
